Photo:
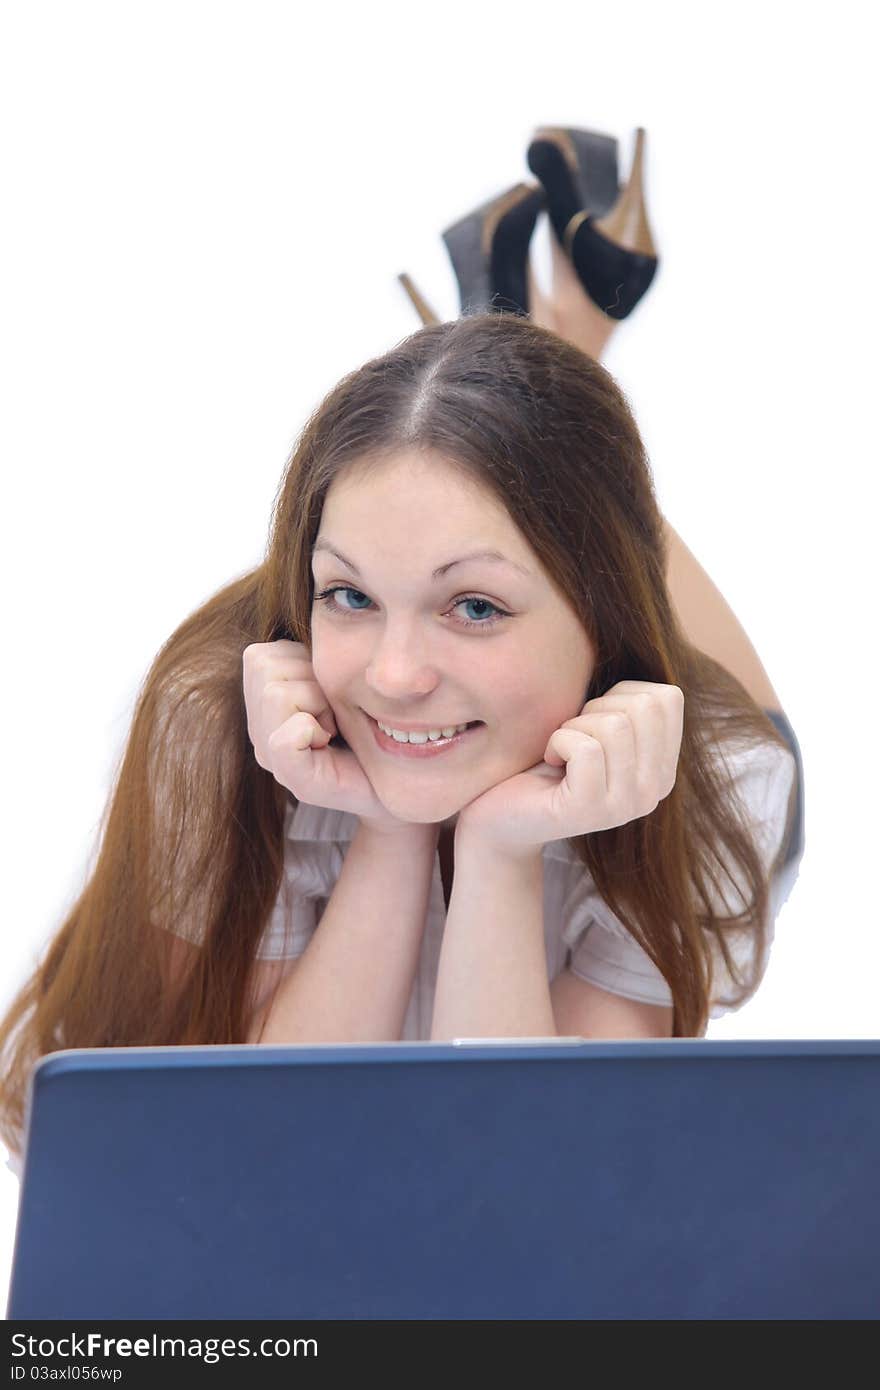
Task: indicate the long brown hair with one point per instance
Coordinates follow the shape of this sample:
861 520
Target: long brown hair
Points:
193 831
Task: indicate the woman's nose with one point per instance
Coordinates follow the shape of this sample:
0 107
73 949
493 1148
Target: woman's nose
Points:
399 665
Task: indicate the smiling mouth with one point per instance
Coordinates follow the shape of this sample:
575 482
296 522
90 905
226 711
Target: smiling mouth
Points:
423 745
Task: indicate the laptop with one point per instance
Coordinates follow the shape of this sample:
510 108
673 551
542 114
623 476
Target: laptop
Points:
526 1179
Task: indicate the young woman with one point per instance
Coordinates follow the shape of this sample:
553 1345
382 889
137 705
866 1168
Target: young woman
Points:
446 763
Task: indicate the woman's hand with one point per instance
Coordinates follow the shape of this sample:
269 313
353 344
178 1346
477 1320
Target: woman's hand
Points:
290 723
611 764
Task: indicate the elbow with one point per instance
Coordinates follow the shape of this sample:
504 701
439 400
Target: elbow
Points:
581 1009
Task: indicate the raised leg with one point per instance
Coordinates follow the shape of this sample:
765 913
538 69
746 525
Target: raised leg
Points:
705 616
711 624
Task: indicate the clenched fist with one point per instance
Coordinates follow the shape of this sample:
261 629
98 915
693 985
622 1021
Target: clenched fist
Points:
611 764
290 724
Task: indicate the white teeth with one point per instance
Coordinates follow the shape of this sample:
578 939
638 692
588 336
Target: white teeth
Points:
400 737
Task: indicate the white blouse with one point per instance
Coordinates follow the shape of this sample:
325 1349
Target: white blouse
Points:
580 930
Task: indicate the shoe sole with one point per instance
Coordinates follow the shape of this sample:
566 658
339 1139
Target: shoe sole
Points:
489 249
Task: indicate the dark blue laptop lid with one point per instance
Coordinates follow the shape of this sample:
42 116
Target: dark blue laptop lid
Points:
686 1178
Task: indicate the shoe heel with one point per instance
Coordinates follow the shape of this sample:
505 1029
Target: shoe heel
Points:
614 255
489 250
626 224
418 301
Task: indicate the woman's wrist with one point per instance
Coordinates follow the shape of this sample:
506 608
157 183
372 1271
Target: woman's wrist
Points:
473 843
400 831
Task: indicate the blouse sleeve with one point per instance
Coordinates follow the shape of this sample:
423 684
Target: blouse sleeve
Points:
603 952
311 868
763 779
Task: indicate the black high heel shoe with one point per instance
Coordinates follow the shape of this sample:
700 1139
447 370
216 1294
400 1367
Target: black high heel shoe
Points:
604 229
489 251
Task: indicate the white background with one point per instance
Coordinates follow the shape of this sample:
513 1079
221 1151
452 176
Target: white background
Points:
206 206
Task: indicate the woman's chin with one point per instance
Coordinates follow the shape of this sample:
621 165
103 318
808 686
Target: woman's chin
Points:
422 804
418 806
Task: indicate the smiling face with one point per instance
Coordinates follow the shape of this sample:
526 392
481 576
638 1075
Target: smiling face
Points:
481 640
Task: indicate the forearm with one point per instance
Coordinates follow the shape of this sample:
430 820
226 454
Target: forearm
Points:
492 975
353 982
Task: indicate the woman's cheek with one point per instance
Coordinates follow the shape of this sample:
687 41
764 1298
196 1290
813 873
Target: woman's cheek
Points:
521 746
536 728
325 661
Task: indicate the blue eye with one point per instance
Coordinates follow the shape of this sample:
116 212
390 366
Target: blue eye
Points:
328 595
328 598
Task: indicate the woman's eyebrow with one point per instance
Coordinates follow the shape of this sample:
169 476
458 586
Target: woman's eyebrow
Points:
441 570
